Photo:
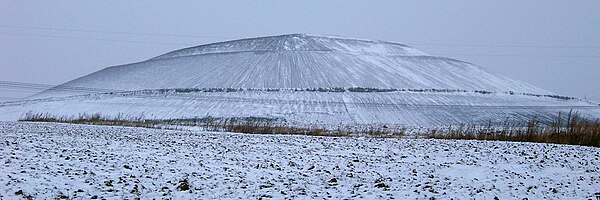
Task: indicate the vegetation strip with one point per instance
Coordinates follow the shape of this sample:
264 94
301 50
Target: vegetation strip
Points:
568 128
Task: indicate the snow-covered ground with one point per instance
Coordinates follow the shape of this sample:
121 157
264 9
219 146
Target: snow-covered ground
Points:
47 160
300 108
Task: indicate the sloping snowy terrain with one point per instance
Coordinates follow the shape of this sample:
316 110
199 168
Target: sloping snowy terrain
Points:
296 61
47 160
313 108
265 74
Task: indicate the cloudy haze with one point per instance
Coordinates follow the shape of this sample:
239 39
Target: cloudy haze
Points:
551 44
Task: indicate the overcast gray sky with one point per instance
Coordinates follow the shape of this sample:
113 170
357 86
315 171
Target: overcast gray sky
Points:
551 44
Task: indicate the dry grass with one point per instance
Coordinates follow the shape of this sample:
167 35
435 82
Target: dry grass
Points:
568 128
97 119
250 125
565 129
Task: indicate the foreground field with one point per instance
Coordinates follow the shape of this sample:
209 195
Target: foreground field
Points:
47 160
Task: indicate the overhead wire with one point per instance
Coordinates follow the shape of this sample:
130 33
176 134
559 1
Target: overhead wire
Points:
190 44
93 39
221 37
516 55
12 85
507 46
115 32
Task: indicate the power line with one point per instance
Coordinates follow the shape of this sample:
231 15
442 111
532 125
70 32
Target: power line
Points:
22 86
95 39
221 37
19 90
507 46
116 32
516 55
189 44
8 99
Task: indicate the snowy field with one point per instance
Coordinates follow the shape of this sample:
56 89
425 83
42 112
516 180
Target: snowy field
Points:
309 108
48 160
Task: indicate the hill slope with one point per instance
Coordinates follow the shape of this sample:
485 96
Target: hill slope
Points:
303 80
297 61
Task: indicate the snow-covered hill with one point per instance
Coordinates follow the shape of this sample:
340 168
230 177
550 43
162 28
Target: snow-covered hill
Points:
297 61
303 79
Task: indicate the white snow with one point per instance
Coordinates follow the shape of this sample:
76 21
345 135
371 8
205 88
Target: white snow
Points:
301 61
47 160
402 108
297 61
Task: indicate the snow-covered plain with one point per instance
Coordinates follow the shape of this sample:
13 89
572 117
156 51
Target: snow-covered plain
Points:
329 109
47 160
